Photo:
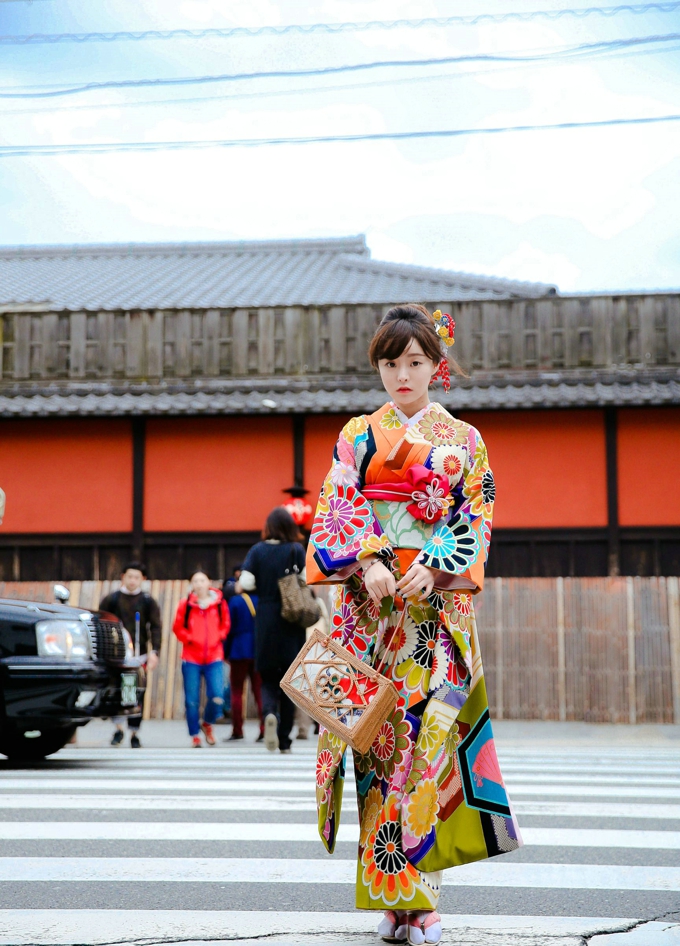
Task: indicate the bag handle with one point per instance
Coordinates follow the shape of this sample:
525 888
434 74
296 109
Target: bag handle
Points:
292 567
391 650
249 603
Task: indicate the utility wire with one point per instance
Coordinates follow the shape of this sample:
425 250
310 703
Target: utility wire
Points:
112 146
347 27
292 91
580 51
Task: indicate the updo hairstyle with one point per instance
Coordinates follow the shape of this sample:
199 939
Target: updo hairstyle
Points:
399 327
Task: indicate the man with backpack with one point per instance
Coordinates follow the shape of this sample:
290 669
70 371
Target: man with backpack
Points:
141 617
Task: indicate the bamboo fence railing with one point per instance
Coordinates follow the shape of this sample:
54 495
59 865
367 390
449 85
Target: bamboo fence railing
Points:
593 649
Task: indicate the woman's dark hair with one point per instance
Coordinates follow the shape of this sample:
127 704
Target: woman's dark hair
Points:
280 525
399 327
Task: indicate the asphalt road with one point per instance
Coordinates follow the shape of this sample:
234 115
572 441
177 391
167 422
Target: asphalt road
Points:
172 844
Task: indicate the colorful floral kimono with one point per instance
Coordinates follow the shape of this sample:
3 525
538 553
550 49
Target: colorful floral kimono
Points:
430 790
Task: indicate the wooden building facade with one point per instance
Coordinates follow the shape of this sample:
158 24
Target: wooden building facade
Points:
130 425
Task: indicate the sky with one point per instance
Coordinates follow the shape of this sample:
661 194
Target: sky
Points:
586 209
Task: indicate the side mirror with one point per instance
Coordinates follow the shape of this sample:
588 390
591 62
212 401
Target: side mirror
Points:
61 593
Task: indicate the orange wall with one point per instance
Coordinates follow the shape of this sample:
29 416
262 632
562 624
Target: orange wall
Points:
66 475
321 434
550 467
216 473
648 464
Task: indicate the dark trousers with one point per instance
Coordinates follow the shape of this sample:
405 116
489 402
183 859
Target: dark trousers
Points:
134 722
275 701
241 670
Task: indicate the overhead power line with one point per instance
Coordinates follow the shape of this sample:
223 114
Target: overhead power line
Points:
137 146
346 27
292 91
581 50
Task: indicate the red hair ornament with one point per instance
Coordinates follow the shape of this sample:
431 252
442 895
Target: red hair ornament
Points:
445 327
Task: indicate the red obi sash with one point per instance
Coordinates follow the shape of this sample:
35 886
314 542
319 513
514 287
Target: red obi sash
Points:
426 492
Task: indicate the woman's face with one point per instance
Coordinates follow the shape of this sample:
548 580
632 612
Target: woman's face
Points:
407 378
200 584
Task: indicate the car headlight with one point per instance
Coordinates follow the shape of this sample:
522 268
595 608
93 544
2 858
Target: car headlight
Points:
129 646
68 639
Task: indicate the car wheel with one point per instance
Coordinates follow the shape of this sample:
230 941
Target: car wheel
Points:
17 746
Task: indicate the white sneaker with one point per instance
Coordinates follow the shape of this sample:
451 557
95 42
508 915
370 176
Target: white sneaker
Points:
271 736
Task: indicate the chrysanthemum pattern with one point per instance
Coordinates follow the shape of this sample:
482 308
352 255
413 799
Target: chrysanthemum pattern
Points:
449 460
387 874
370 814
423 808
390 420
340 524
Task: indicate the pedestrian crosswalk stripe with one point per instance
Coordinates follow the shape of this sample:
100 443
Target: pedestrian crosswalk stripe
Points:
574 809
146 803
291 832
517 789
64 927
289 774
143 803
302 788
266 870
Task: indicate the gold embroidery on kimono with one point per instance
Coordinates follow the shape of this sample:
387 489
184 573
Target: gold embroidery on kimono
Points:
430 790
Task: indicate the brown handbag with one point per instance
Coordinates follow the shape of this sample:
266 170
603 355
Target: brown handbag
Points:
343 694
298 604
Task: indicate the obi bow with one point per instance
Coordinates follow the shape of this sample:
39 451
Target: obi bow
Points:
426 492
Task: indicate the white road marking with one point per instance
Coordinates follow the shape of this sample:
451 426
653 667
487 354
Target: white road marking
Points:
264 870
591 791
64 927
286 832
574 809
303 788
204 785
141 774
48 801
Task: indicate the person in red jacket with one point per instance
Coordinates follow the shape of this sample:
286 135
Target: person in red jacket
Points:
202 625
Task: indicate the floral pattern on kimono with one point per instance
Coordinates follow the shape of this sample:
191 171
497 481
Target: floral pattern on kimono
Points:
430 790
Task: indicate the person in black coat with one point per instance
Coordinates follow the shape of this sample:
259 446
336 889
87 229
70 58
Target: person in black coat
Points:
277 642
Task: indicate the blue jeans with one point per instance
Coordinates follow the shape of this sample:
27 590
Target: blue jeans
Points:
214 685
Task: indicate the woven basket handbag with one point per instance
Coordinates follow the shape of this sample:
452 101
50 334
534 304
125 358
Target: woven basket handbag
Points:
343 694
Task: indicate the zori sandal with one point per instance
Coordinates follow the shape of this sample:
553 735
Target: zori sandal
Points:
424 927
392 927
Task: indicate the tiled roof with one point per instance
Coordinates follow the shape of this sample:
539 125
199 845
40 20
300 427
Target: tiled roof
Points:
231 275
337 395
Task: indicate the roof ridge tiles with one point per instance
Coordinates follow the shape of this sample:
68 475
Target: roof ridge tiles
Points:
463 279
352 245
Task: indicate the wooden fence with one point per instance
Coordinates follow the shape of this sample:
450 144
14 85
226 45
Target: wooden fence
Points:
593 649
552 332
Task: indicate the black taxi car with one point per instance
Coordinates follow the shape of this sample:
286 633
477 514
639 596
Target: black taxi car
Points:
61 666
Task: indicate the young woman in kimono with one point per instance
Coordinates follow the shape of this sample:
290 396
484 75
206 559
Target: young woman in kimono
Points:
403 523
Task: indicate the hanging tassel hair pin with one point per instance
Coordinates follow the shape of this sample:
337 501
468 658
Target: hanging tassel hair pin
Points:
445 327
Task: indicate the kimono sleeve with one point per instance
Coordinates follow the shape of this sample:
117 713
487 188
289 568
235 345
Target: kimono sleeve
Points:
459 547
345 528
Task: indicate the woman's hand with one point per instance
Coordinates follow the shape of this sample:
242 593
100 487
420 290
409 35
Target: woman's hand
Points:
417 578
379 582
